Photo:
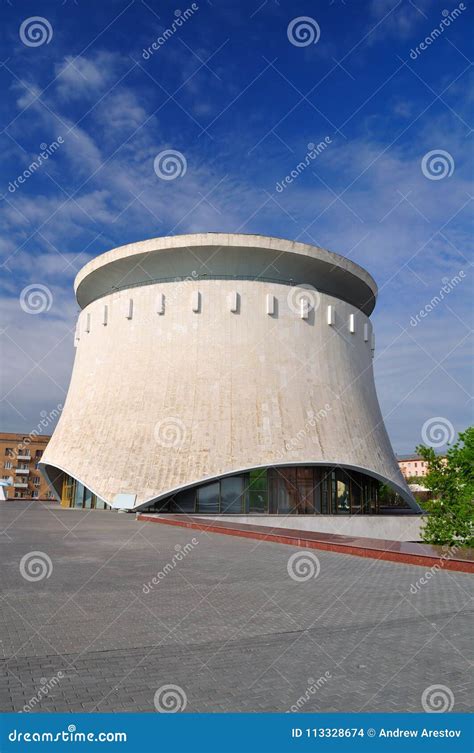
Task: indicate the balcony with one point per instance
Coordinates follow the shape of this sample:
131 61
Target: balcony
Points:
20 485
18 471
23 457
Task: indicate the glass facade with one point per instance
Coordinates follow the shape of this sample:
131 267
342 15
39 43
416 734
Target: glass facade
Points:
289 490
292 490
75 494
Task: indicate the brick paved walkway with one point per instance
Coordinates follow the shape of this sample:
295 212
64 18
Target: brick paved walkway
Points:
226 624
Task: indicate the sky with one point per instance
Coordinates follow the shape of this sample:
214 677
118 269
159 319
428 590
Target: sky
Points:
240 89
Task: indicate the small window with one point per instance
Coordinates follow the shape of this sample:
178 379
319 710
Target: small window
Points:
8 464
9 451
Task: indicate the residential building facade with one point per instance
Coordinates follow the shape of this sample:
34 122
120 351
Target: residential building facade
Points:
20 455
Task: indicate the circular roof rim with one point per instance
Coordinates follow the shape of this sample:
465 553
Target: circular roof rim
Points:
211 239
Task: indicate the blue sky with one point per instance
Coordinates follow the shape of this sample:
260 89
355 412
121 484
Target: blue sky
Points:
232 92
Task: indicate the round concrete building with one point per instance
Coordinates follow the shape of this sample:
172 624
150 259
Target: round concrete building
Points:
224 374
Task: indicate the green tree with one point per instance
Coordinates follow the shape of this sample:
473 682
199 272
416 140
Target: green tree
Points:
451 481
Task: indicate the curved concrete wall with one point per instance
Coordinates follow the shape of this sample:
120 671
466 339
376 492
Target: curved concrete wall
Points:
183 381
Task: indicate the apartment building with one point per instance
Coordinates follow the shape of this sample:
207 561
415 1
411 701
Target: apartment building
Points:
20 455
412 465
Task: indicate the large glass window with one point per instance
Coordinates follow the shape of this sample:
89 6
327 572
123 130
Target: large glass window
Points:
79 495
325 493
208 498
317 489
88 499
305 483
284 491
257 491
333 495
356 494
232 495
342 493
183 502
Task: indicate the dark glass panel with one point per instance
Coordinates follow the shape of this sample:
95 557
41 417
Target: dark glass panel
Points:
232 495
208 498
333 509
258 501
325 493
317 489
287 491
273 488
79 495
305 484
87 498
185 501
356 493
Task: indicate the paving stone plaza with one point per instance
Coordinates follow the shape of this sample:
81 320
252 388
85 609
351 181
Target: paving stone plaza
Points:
225 622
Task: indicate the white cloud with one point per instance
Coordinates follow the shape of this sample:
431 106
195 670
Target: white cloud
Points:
86 77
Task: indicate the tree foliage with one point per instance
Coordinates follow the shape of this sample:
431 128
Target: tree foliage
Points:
451 482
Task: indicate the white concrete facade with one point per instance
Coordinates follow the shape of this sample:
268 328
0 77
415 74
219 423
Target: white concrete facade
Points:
201 356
